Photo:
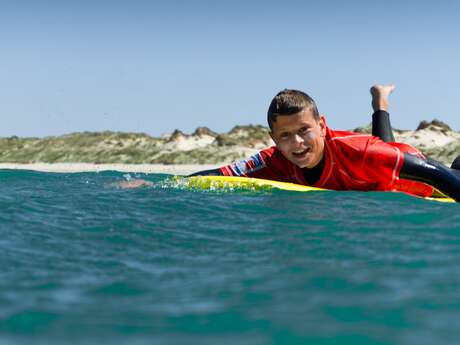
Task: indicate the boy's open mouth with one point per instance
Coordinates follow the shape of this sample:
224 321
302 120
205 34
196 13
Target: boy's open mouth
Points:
301 153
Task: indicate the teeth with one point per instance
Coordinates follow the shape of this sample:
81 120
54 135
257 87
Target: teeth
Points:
301 151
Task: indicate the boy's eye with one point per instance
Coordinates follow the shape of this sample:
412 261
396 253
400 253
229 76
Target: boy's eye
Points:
303 130
284 135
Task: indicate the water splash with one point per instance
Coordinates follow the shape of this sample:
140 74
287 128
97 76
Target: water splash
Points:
209 185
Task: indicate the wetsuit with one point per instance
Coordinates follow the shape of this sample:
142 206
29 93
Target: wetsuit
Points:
381 126
352 161
356 162
456 163
415 168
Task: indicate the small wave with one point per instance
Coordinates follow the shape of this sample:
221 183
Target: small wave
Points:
208 185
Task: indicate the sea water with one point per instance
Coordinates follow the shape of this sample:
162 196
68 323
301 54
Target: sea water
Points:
85 262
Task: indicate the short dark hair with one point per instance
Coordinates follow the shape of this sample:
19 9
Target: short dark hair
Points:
289 102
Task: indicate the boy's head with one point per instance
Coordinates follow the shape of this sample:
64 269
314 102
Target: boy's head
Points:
288 102
297 128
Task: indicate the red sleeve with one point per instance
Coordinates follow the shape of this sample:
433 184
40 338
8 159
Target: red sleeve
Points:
261 165
382 161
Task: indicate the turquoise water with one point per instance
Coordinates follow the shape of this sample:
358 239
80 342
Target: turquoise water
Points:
83 262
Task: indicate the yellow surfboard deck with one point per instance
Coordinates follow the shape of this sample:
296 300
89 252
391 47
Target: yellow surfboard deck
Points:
207 182
218 182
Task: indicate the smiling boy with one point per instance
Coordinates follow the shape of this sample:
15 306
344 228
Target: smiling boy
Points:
308 152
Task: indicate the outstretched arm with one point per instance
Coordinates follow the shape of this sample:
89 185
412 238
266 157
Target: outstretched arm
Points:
433 173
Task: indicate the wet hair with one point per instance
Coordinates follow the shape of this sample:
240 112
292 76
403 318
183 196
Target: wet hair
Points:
289 102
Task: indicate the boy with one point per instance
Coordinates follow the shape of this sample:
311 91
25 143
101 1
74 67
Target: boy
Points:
308 152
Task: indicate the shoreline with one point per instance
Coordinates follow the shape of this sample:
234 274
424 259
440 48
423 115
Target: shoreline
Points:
173 169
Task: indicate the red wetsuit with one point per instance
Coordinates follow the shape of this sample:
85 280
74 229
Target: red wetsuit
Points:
352 161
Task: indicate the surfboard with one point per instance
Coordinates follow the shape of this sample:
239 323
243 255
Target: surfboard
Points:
250 183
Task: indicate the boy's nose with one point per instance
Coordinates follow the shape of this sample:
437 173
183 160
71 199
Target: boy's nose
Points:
298 139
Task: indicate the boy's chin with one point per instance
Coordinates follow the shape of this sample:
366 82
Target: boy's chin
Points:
305 164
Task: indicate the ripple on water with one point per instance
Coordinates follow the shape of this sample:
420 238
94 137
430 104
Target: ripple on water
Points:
84 261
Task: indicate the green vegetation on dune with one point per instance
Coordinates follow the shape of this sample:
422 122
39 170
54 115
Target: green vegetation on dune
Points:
202 147
127 148
445 154
247 136
86 147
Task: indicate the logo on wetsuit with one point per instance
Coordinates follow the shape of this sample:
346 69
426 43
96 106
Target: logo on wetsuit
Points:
248 166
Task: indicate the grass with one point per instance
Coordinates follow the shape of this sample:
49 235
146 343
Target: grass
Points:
140 148
119 147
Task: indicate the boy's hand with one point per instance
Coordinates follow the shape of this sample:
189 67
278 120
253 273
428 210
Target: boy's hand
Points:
133 184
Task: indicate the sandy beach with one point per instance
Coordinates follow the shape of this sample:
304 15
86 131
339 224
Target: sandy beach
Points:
174 169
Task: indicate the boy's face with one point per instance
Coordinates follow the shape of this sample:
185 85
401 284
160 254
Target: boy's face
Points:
300 138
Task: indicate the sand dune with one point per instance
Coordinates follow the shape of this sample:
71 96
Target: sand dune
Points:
175 169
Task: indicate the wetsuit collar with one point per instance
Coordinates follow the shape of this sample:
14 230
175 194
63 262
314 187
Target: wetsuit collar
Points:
313 175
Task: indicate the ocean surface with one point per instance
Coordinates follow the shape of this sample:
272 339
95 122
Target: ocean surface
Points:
85 262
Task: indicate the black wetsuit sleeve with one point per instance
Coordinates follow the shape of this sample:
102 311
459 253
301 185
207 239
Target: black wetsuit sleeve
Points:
211 172
433 173
456 163
381 126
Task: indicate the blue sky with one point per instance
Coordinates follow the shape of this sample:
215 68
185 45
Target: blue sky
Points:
148 66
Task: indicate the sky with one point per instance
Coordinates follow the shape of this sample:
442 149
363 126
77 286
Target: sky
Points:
154 66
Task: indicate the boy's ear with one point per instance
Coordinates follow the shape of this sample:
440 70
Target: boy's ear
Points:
322 125
272 136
